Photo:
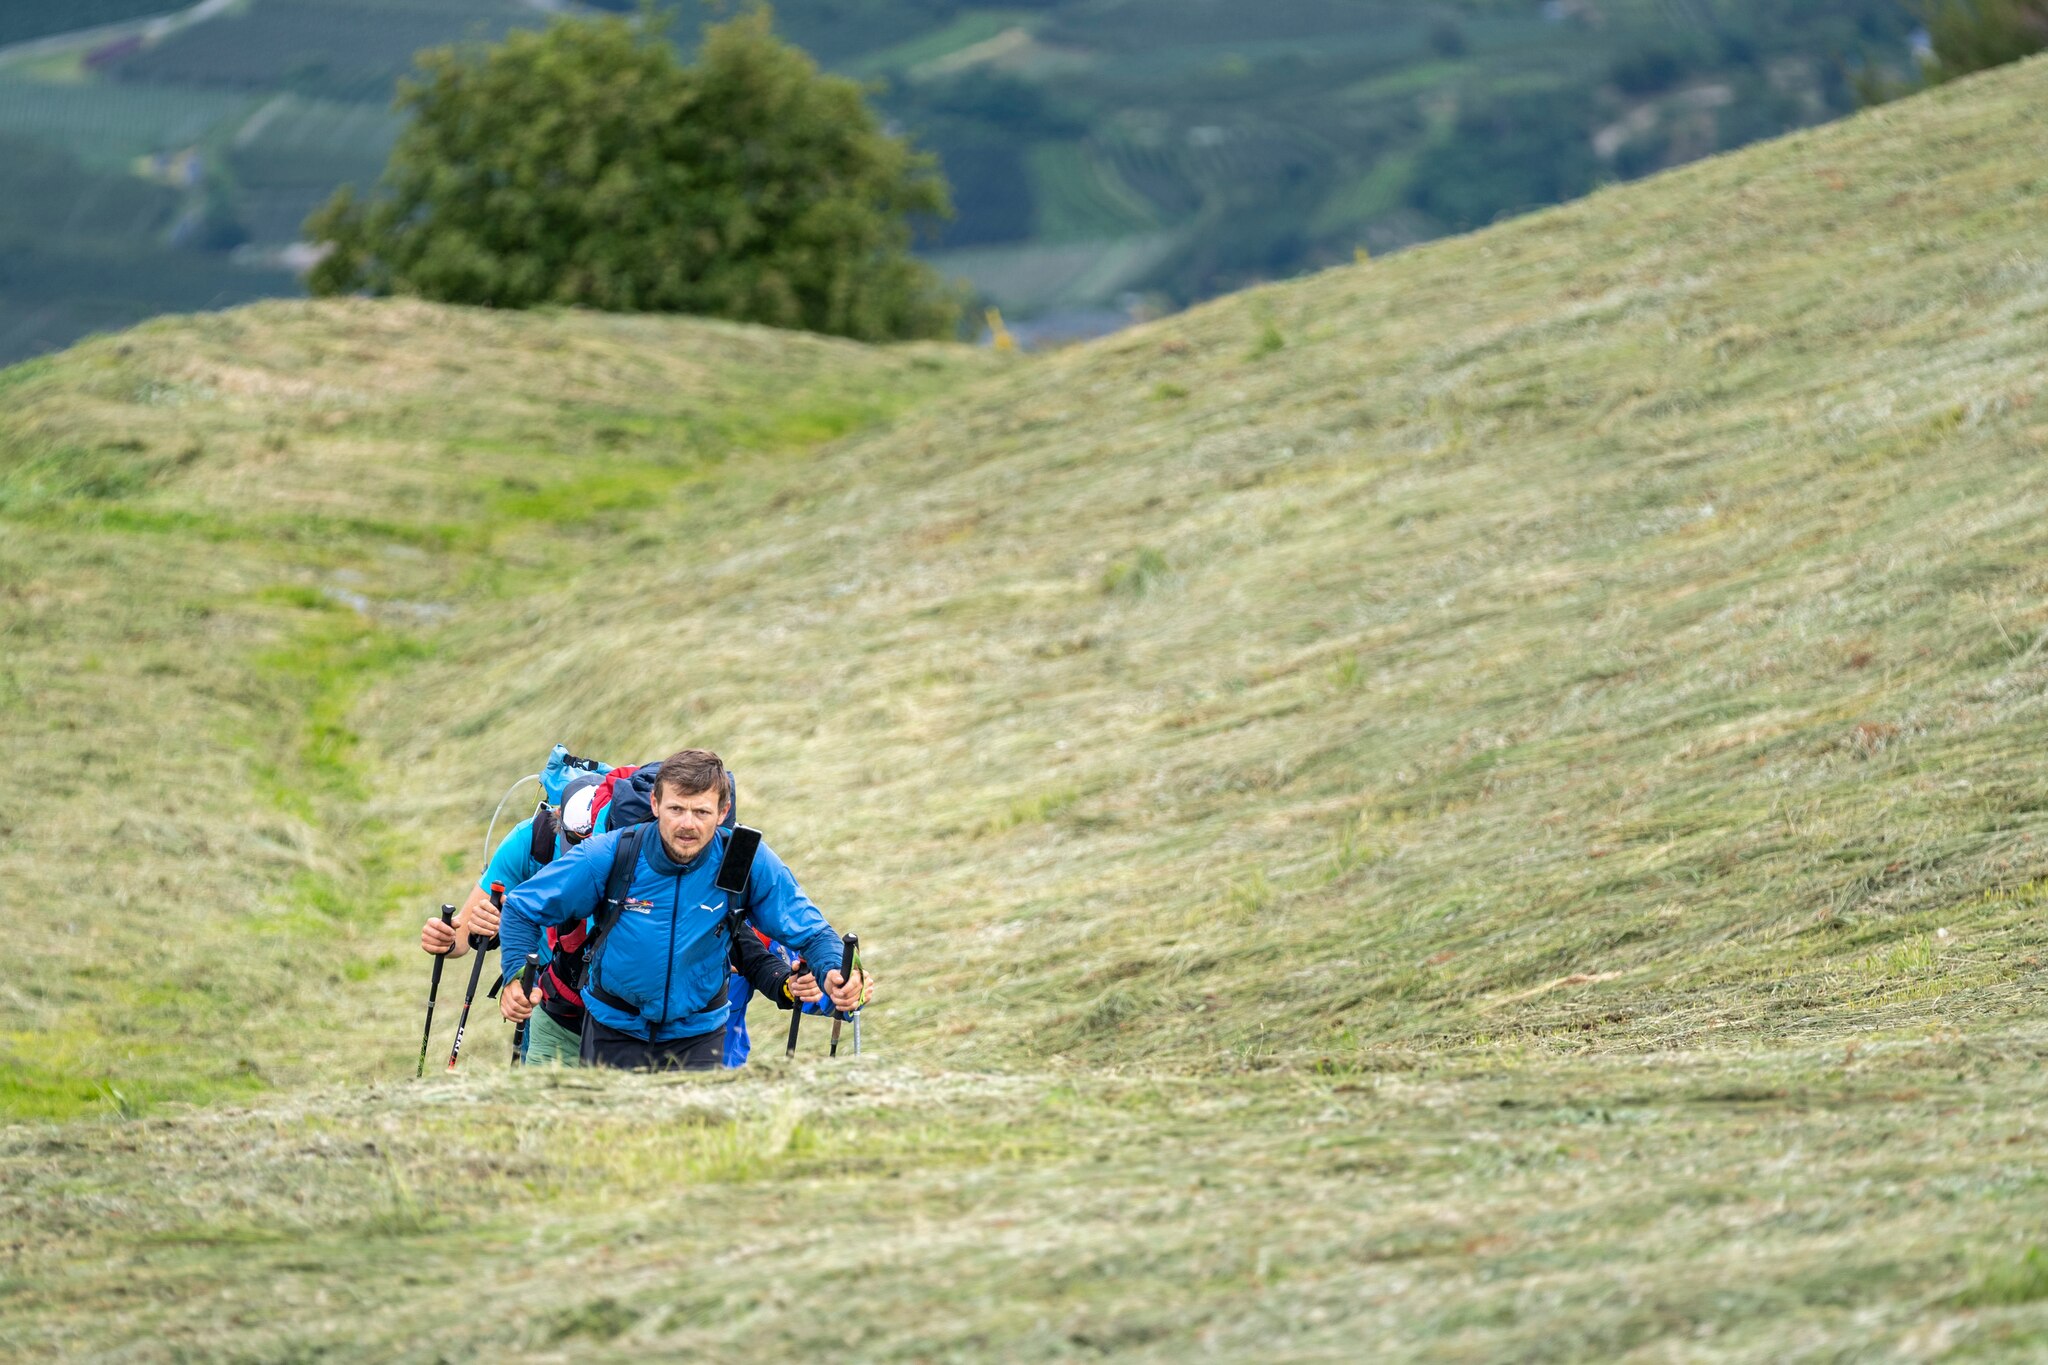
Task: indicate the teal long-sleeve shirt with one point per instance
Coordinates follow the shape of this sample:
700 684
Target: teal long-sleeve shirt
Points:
512 861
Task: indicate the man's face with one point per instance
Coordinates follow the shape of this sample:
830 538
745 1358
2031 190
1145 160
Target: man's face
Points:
687 819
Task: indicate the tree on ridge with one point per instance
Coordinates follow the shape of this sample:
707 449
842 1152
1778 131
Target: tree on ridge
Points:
587 165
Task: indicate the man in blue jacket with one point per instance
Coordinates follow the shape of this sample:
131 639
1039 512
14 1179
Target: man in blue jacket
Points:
654 994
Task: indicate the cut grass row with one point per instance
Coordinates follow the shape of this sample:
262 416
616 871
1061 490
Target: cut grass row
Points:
1795 1204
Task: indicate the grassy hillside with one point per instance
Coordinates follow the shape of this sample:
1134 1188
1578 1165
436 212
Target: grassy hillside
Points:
1174 148
216 534
1476 806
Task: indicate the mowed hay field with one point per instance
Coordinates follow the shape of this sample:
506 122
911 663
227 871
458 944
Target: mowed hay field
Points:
1480 805
216 533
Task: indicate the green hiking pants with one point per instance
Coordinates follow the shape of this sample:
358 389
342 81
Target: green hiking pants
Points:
549 1044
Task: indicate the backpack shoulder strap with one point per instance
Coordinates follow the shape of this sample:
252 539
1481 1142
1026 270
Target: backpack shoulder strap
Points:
547 822
625 861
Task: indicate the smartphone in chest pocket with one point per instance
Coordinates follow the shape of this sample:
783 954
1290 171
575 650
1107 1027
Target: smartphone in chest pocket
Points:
737 867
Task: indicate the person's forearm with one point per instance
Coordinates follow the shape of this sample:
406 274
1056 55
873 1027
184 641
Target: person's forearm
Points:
518 935
825 953
796 922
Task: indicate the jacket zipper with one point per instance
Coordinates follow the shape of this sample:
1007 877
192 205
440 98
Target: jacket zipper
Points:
675 904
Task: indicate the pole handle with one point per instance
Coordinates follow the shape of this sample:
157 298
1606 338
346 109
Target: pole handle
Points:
498 904
796 1013
846 959
850 945
526 976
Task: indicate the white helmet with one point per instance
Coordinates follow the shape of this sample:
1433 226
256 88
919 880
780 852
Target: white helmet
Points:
579 815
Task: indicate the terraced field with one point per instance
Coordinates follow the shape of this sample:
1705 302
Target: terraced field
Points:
1191 146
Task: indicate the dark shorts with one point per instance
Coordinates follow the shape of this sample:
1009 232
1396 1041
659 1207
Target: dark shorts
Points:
608 1047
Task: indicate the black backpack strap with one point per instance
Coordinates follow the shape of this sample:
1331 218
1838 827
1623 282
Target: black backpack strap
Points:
718 1001
547 822
625 861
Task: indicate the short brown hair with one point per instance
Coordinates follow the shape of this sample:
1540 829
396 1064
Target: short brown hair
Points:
690 772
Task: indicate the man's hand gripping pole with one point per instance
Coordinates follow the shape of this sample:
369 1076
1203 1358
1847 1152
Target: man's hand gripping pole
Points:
483 947
525 992
433 989
839 1017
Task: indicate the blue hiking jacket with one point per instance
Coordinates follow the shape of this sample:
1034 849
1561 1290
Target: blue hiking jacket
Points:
667 956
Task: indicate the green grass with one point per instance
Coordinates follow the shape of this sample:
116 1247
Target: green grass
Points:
1499 829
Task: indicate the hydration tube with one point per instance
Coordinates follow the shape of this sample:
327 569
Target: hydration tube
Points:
492 830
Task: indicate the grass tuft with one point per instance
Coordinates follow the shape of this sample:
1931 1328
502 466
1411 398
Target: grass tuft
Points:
1135 572
601 1319
2008 1284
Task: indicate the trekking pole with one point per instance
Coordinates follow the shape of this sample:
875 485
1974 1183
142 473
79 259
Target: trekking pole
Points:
839 1017
433 989
483 947
525 989
796 1011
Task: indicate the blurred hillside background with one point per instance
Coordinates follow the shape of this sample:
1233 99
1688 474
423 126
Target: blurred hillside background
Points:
1108 158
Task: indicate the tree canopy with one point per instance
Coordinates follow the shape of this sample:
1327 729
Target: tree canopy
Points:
1971 35
588 165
